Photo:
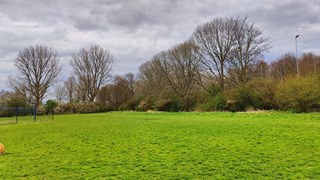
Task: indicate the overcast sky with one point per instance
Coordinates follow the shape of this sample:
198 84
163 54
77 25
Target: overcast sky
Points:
134 30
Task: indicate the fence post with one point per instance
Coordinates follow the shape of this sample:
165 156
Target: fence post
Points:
16 113
52 111
35 112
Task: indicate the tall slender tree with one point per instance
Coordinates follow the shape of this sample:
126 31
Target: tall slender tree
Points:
71 88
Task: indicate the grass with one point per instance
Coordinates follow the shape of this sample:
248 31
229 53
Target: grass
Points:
130 145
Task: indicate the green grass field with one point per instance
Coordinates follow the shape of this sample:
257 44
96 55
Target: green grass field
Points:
131 145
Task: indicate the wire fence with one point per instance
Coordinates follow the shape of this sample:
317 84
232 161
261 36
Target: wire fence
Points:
24 115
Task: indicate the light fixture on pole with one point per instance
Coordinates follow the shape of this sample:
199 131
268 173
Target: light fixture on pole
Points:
297 55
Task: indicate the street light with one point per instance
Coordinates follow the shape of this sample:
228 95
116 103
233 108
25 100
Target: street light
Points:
315 65
297 55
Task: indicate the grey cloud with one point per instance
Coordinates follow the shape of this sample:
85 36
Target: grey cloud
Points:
123 14
289 14
134 30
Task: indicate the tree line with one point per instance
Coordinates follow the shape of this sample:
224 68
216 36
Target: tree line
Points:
219 68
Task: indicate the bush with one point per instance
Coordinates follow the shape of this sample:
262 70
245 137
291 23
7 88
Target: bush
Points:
256 94
6 113
186 104
87 107
50 106
212 102
220 103
80 107
145 105
299 94
41 110
166 105
132 104
69 108
241 98
104 107
264 93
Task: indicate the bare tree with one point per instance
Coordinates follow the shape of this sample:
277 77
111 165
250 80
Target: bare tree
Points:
180 67
131 80
71 88
106 95
261 69
92 68
38 67
285 66
309 64
229 45
60 92
215 40
116 94
247 49
151 82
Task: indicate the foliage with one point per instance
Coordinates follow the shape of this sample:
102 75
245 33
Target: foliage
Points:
132 103
12 99
41 110
168 105
263 90
241 98
78 108
164 146
258 93
220 103
145 104
299 94
50 106
212 102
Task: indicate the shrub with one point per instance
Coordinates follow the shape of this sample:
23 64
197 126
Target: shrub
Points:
212 102
50 106
6 113
132 104
80 107
145 105
220 103
241 98
41 110
186 104
87 107
256 94
299 94
264 93
166 105
67 108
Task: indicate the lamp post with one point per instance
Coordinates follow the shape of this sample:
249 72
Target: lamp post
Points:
315 65
297 55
